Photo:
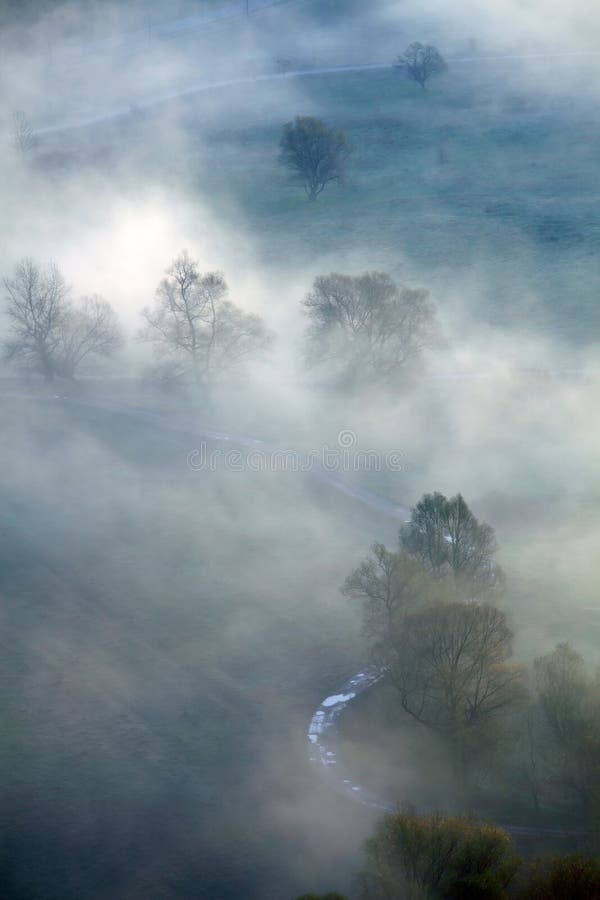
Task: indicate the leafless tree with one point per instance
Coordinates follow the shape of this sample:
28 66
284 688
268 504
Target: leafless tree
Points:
46 331
390 586
22 134
449 665
36 305
421 61
196 330
89 329
367 328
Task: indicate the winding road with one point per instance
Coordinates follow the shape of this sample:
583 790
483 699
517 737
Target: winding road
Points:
322 731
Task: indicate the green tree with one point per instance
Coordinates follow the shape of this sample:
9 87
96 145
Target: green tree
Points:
448 539
315 153
572 877
434 856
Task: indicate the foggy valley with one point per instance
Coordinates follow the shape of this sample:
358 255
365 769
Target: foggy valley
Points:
299 380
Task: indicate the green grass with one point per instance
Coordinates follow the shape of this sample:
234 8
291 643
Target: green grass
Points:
512 204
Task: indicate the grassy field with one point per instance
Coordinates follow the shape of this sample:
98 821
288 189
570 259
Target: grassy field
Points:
165 640
480 190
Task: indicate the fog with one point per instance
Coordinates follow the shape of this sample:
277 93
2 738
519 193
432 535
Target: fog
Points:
169 631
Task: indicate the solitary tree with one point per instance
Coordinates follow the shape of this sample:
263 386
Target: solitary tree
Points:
315 153
440 857
366 327
421 61
46 331
445 535
196 330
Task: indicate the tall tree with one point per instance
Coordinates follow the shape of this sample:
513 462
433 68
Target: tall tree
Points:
196 329
36 306
315 153
367 328
49 333
449 663
445 535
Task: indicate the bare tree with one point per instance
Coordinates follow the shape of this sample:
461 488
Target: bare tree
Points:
390 586
449 665
421 61
36 305
90 329
367 327
195 329
315 153
445 535
22 134
46 330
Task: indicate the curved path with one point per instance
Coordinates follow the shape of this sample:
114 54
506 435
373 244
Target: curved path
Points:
134 105
322 731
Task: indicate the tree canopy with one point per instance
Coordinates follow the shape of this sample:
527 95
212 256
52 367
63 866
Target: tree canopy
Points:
197 332
448 539
47 331
446 858
366 328
315 153
421 62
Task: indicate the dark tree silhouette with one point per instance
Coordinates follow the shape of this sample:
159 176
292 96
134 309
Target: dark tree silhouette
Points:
445 535
421 62
315 153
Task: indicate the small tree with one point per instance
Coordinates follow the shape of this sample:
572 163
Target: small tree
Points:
448 539
421 62
366 327
22 134
437 857
196 330
315 153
